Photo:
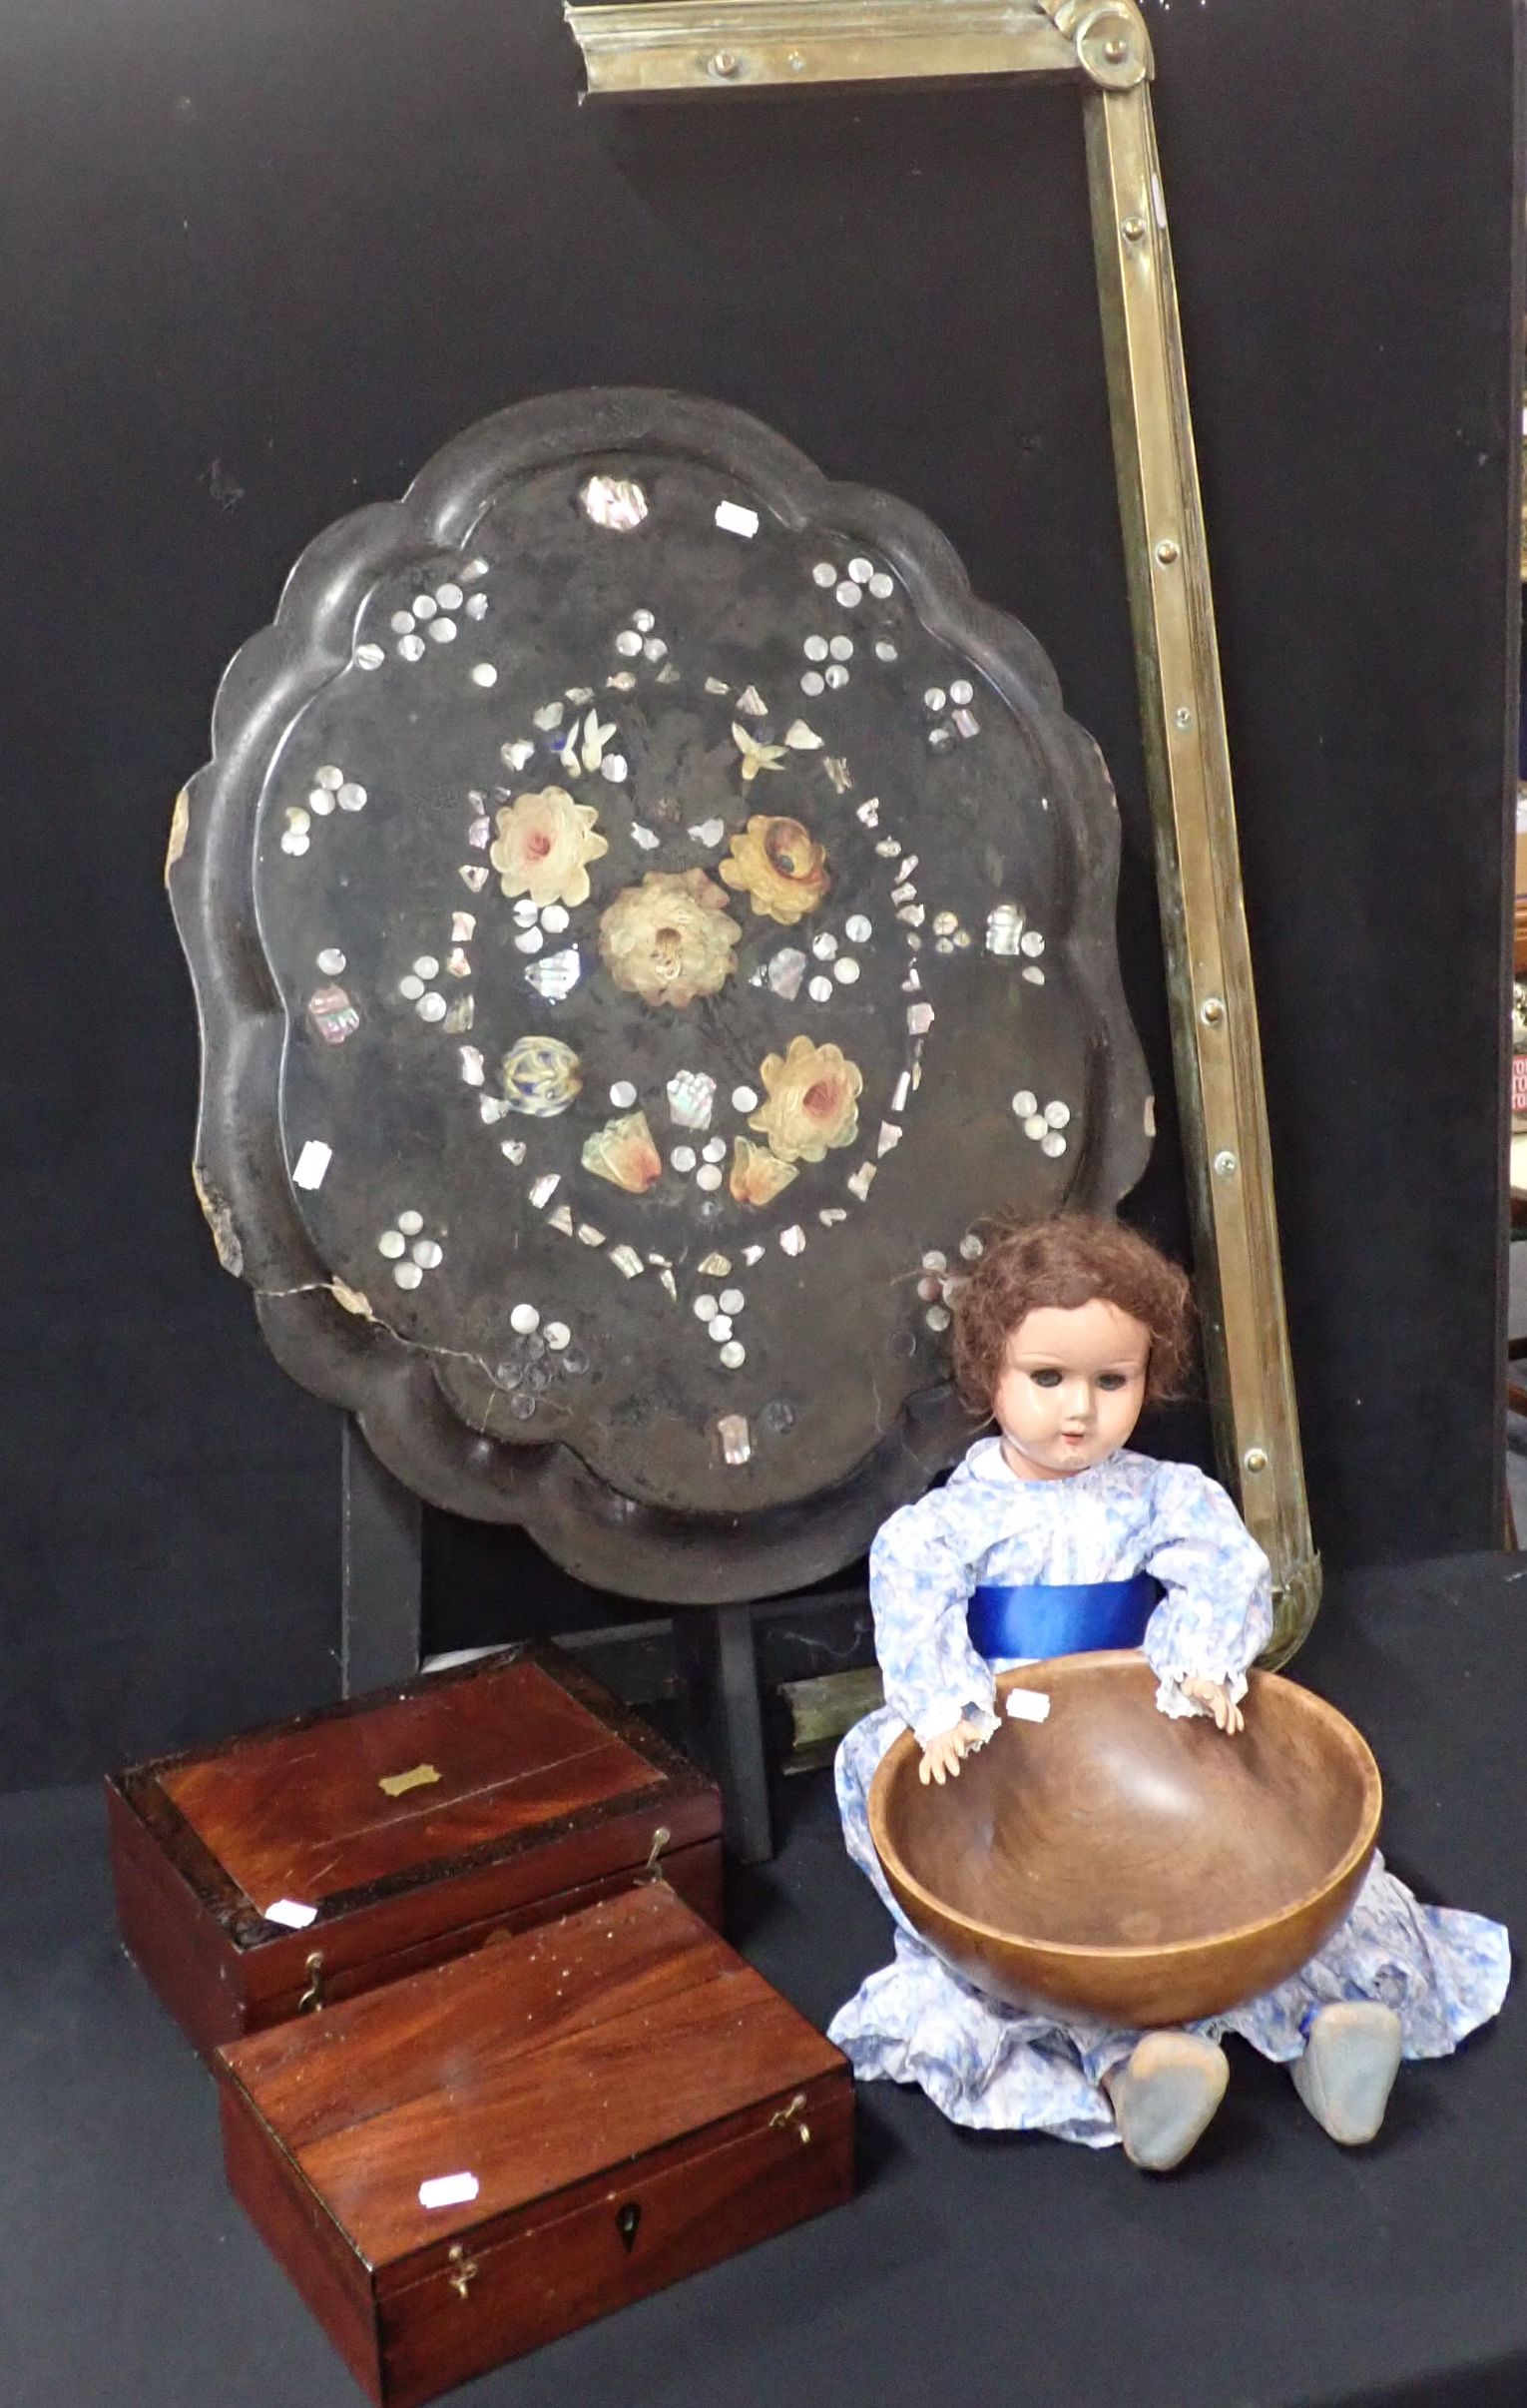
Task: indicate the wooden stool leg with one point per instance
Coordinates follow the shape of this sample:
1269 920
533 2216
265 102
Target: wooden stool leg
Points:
715 1648
382 1575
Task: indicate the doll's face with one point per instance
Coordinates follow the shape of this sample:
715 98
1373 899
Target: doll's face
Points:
1072 1385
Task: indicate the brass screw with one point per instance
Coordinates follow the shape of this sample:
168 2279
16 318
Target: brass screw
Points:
1211 1011
1134 230
1255 1458
722 62
1181 716
796 63
1114 50
1225 1165
1166 551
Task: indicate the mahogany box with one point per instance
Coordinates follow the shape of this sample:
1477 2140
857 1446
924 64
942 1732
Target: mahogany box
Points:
620 2099
293 1866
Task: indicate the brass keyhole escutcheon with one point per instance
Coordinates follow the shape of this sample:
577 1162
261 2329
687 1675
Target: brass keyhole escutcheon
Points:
626 2219
464 2270
312 1996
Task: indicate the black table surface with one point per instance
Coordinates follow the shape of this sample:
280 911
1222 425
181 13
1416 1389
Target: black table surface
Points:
1272 2271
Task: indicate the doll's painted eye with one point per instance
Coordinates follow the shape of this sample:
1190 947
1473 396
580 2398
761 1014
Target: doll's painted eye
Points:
1113 1379
1045 1379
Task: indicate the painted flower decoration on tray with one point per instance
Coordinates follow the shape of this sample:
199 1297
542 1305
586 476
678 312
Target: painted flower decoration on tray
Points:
813 1101
624 1153
543 847
541 1077
782 865
756 755
670 938
757 1176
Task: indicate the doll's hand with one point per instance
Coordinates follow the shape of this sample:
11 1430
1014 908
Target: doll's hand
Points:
1214 1696
941 1756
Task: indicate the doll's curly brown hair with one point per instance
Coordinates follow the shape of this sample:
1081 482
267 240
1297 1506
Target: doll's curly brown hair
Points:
1067 1260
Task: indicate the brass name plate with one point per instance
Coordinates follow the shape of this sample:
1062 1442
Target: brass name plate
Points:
397 1785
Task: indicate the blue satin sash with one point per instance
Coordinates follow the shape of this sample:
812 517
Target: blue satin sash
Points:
1049 1619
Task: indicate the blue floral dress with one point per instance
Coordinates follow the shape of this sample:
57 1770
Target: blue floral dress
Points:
986 2063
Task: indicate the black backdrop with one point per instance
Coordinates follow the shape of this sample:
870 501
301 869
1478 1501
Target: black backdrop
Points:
260 262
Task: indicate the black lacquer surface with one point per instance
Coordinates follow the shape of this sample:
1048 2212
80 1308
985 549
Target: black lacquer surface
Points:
679 910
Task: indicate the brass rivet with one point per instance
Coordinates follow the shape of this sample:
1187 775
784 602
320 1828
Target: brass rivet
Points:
1225 1165
1134 230
1255 1458
1114 50
722 62
796 63
1211 1011
1166 551
1181 716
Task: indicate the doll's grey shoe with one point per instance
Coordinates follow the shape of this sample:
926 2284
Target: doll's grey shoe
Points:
1165 2096
1349 2066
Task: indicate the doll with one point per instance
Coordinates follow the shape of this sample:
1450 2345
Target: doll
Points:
1052 1538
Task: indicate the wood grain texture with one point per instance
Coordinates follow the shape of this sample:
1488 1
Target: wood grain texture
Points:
564 2273
533 2064
1117 1862
697 1874
313 2251
634 2101
573 1788
301 1814
182 1952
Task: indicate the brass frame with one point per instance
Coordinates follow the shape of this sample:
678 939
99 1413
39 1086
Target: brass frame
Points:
633 48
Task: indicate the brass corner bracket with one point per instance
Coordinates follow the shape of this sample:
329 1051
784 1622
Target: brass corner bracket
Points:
637 47
1113 48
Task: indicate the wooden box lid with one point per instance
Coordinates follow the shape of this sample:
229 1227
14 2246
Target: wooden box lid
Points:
396 1818
569 2070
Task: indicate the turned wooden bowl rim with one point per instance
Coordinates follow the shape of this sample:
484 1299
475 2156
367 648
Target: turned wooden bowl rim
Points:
1035 1677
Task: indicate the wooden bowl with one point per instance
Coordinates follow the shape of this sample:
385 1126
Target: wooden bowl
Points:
1115 1862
